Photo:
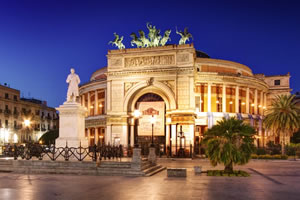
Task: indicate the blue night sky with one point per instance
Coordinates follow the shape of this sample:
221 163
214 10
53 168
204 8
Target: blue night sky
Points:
41 40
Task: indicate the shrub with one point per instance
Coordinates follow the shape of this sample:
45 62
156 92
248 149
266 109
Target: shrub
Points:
261 151
270 157
273 148
291 149
235 173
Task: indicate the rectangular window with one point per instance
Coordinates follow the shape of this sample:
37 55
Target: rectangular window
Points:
15 98
276 82
6 123
6 107
6 96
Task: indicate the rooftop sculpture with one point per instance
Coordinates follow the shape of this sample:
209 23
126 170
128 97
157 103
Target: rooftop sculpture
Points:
118 41
153 38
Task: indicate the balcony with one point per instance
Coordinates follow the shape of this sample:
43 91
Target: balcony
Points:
16 114
7 112
26 113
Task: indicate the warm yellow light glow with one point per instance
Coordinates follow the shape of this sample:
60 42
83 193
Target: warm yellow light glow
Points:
230 102
259 106
243 103
15 138
92 107
101 136
152 119
264 107
217 101
252 105
136 113
201 101
27 122
169 120
41 142
100 105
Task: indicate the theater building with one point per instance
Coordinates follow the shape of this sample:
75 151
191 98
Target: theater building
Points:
175 93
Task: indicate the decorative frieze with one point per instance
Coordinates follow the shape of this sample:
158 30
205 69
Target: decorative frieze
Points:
183 58
95 122
115 62
149 61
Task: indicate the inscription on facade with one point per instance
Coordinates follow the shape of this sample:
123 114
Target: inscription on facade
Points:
150 61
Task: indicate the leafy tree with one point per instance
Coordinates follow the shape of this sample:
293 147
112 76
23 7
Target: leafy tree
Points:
230 142
296 137
283 117
49 137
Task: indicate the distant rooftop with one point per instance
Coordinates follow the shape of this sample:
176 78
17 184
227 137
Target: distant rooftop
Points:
35 101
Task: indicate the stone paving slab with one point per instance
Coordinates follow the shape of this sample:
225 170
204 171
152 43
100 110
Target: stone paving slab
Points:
262 184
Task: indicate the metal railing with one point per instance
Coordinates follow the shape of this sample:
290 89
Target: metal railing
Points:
66 153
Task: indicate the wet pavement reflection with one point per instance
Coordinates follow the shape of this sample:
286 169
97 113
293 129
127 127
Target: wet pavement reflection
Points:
268 180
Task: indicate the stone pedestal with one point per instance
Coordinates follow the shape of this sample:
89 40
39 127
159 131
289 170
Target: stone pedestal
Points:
152 155
136 162
71 125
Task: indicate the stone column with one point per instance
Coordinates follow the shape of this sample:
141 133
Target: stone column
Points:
89 136
125 136
167 135
255 102
209 97
224 99
96 135
83 100
265 100
261 103
105 102
173 129
108 135
96 108
247 100
89 104
108 96
237 99
132 135
192 134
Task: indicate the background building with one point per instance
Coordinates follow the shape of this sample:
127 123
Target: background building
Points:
23 120
183 89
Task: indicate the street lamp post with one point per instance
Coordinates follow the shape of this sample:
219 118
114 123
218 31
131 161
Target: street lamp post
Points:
152 123
136 115
27 125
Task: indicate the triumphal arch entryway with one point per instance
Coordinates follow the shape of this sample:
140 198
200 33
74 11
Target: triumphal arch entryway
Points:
149 96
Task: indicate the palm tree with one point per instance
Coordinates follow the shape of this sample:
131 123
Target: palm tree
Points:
283 117
230 142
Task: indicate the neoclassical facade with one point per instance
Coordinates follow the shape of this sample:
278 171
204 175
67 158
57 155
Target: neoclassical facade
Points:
182 89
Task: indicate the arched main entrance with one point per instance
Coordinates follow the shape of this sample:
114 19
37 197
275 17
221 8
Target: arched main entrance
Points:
151 106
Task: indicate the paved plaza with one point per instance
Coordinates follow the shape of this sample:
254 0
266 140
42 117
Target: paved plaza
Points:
268 180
